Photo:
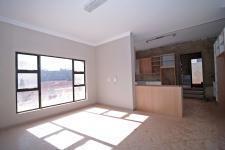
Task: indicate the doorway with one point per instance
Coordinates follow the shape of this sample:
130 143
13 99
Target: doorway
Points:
192 75
191 70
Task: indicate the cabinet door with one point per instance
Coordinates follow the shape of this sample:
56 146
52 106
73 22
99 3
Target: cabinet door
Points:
168 76
217 47
168 60
221 42
143 98
145 66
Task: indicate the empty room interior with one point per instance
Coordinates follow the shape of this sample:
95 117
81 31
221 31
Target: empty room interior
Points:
112 75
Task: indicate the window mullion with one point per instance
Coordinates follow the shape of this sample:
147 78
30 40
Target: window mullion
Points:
85 80
73 82
27 71
76 72
79 85
27 89
39 79
16 81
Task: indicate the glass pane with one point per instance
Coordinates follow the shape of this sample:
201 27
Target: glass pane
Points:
79 92
79 66
168 60
78 79
196 68
27 100
27 80
56 81
27 62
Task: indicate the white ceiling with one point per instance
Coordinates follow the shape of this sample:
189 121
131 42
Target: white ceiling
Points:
203 31
144 18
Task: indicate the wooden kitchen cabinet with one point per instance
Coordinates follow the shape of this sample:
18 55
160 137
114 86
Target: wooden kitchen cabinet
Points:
145 65
166 100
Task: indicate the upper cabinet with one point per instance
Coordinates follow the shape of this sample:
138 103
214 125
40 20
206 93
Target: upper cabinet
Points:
167 69
145 65
157 68
216 48
219 44
168 61
156 65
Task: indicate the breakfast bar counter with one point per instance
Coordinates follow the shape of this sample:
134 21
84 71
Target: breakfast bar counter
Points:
161 99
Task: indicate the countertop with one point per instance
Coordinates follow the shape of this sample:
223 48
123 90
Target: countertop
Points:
159 85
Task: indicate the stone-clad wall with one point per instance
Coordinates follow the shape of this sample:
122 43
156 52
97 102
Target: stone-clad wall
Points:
203 46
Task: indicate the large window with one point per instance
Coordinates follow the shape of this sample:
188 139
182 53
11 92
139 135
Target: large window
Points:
44 81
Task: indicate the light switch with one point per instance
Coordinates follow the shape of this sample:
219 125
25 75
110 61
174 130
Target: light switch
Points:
114 80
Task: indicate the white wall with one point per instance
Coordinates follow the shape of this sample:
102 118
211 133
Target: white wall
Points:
13 39
105 63
115 61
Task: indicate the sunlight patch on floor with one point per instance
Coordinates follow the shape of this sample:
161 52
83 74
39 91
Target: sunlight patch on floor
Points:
137 117
63 139
44 129
98 128
96 110
117 114
93 145
104 128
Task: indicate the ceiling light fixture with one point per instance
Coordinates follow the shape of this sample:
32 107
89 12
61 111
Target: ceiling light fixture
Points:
160 37
93 4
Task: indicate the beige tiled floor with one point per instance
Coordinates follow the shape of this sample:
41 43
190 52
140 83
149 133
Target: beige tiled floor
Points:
105 128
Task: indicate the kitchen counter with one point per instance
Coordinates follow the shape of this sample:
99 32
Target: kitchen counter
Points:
148 83
163 99
159 85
